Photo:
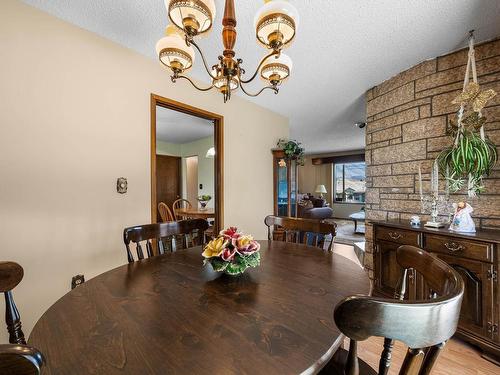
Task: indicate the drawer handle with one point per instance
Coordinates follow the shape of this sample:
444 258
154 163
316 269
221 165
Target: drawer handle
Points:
395 235
452 246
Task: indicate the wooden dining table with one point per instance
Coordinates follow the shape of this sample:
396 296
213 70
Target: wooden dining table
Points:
196 213
170 314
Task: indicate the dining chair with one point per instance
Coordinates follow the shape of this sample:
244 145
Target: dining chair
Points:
179 204
423 325
11 275
167 235
18 359
306 231
165 213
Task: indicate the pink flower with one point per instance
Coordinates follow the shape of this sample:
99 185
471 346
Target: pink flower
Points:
231 232
228 254
245 245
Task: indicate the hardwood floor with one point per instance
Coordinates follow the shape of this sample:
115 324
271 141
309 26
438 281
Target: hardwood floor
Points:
457 358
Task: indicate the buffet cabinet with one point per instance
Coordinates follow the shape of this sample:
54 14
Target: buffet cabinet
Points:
474 256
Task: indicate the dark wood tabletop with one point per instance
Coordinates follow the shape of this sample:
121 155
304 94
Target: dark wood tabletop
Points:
196 213
170 314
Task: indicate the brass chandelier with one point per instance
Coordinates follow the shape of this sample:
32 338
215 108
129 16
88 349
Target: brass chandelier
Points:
275 27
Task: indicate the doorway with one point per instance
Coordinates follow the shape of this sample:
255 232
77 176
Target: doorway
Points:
186 160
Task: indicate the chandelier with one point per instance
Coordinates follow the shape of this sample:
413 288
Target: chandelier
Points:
275 27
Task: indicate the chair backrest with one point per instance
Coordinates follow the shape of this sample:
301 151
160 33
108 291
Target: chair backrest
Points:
178 204
20 360
423 325
166 235
165 213
306 231
11 275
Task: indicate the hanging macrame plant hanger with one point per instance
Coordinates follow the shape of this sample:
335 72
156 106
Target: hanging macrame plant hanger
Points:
472 155
471 65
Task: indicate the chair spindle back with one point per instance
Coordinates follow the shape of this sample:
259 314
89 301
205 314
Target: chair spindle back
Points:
165 236
306 231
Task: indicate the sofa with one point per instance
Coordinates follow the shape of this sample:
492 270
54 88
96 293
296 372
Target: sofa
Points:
310 207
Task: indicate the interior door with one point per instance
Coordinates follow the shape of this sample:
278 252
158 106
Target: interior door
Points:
168 180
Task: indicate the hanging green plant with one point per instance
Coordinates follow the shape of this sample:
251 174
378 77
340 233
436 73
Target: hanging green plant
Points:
468 161
472 155
293 150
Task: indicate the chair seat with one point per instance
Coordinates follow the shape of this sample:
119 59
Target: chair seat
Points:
337 364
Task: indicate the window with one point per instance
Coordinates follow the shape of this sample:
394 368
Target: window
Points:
349 182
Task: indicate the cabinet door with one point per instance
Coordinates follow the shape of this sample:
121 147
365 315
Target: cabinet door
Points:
388 271
477 304
282 188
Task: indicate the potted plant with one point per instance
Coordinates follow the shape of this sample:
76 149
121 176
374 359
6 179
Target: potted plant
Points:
292 150
472 155
204 199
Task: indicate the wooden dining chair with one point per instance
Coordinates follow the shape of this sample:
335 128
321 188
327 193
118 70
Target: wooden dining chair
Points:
423 325
11 275
179 204
165 213
20 360
306 231
166 237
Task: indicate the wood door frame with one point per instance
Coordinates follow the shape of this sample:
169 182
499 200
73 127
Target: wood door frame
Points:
218 120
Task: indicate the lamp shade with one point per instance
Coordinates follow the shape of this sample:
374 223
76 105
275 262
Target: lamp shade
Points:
276 23
193 16
210 153
276 69
173 51
321 189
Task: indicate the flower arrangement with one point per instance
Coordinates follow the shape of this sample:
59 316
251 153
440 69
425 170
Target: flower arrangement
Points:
232 252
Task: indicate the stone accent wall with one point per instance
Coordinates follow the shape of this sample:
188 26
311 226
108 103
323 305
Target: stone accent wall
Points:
407 119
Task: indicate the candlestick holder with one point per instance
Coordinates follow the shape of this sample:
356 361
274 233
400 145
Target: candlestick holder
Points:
432 203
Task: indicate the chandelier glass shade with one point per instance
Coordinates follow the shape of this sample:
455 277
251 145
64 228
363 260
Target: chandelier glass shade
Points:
275 27
276 69
276 23
173 51
194 16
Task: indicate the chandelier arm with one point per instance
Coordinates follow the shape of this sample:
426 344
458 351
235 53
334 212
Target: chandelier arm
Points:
174 78
274 53
188 42
274 88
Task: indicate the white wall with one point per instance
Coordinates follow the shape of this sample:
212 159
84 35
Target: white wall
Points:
75 116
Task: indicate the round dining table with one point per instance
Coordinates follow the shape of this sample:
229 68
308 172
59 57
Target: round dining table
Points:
171 314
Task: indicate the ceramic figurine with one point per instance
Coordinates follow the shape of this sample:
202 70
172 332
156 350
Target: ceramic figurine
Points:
415 221
462 221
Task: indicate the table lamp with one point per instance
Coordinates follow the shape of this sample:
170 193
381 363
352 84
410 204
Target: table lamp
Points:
321 190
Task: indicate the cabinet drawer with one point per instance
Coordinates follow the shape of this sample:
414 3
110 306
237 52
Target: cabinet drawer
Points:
458 247
399 236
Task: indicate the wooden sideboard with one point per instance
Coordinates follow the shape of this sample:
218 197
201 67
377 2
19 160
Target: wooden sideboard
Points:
474 256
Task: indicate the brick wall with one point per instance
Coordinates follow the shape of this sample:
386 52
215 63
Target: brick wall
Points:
407 119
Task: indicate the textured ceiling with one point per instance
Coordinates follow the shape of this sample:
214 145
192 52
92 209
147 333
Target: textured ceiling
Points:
343 47
178 127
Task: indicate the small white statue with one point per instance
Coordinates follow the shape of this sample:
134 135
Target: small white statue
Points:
462 221
415 220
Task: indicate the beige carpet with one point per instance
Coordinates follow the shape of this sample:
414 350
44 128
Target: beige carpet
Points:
345 231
